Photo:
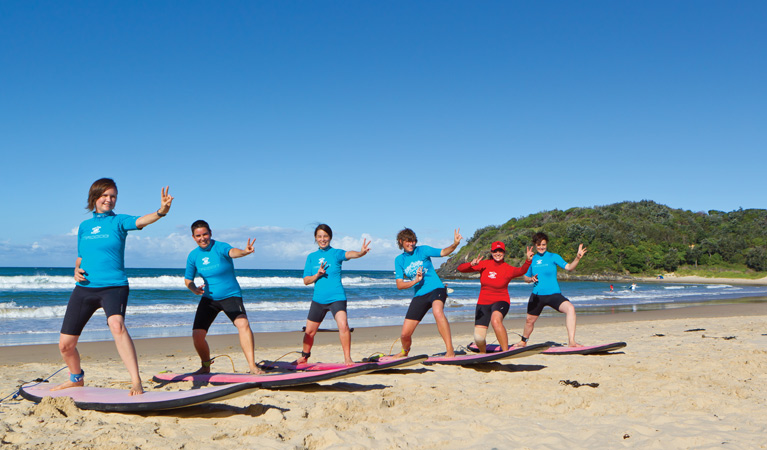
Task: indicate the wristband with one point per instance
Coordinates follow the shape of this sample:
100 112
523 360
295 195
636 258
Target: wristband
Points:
161 214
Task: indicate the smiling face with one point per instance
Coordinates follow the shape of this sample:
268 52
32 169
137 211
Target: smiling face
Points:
322 238
107 201
202 236
542 246
408 245
498 255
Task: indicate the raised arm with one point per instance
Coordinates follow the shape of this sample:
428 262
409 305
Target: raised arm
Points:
365 249
581 251
165 200
239 253
470 266
456 241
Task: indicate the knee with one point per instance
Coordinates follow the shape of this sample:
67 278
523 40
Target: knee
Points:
531 320
66 347
116 325
242 324
496 323
199 335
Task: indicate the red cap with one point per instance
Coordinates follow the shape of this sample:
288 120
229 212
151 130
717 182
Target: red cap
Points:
497 245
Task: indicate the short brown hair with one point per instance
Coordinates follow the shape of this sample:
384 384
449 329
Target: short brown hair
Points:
540 236
97 190
406 234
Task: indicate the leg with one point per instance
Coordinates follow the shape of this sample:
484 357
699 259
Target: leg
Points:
438 309
203 350
569 310
529 326
68 349
345 335
127 351
406 338
480 334
309 333
496 320
246 342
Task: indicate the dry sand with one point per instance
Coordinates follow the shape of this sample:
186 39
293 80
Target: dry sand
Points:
670 388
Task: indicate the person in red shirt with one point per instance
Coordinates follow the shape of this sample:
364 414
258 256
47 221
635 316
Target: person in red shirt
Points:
494 302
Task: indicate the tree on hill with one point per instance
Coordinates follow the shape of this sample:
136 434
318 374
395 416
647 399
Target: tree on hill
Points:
632 238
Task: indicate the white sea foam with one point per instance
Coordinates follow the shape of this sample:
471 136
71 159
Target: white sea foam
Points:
169 282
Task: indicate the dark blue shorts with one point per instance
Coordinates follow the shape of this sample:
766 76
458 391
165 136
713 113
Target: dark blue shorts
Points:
420 305
483 313
84 301
208 309
537 302
318 310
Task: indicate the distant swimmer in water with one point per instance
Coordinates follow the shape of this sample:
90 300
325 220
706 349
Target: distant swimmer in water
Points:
323 269
611 288
213 261
101 279
546 292
414 269
494 301
633 286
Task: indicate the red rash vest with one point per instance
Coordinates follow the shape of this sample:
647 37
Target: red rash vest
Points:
494 279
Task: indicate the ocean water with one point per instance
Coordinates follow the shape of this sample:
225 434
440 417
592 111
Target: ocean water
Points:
33 301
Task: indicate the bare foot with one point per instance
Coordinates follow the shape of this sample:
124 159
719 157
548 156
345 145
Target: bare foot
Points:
256 371
520 344
136 389
69 384
450 354
349 362
300 360
574 344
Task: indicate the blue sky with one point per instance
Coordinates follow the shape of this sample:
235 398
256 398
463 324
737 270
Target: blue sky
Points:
266 118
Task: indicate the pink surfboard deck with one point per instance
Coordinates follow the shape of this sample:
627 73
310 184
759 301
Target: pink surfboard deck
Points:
477 358
119 400
269 380
557 349
383 363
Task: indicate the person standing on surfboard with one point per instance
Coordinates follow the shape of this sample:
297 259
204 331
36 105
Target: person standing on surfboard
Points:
546 292
212 260
415 264
494 301
101 279
323 269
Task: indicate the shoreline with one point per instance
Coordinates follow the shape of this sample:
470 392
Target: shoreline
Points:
690 377
285 341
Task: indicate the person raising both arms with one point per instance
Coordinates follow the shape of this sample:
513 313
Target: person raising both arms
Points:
323 269
494 300
101 279
546 292
212 260
414 269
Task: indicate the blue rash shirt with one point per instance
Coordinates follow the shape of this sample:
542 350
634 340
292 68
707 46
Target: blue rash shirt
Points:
216 268
101 245
545 266
328 288
406 266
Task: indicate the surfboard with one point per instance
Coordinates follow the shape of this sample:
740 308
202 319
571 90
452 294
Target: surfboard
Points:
462 359
119 400
268 380
381 363
559 349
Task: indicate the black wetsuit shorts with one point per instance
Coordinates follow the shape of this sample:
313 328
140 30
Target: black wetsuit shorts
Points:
483 313
84 301
318 310
420 305
208 309
537 302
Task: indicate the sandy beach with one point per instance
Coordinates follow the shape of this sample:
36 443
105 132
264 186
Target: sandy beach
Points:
670 388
